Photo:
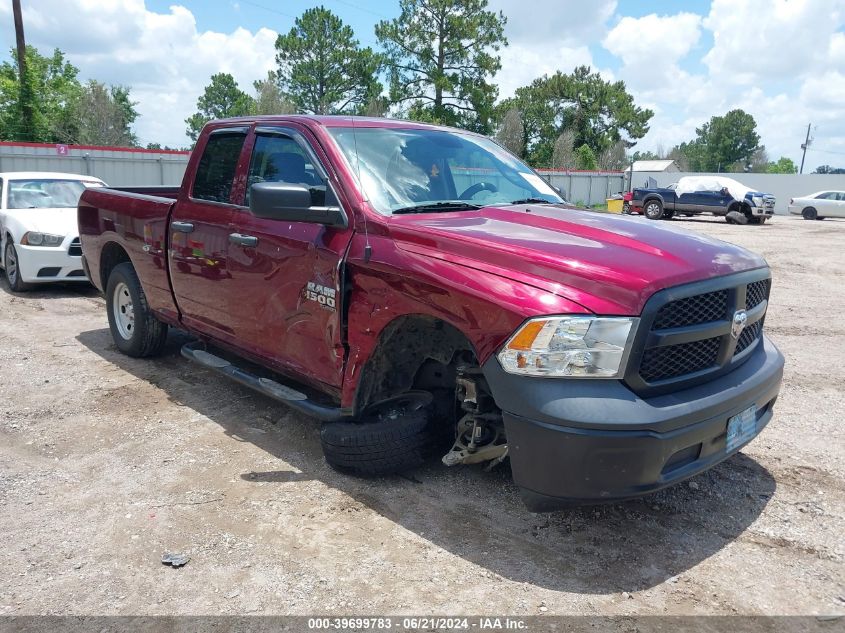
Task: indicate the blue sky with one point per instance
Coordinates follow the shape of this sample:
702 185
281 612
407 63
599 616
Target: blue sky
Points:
781 60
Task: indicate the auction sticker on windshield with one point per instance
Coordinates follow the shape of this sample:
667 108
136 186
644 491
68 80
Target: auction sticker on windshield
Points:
741 428
539 184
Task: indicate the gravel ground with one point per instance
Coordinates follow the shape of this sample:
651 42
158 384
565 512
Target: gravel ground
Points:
107 462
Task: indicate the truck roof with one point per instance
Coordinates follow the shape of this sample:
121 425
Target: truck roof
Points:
339 120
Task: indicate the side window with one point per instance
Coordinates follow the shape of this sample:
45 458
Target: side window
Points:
216 170
825 196
277 158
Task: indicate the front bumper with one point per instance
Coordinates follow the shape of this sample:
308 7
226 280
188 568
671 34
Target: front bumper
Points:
584 441
40 264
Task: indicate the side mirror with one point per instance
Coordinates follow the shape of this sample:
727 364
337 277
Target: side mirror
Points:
293 203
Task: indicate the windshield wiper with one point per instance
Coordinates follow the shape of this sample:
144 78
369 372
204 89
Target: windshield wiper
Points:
532 201
434 207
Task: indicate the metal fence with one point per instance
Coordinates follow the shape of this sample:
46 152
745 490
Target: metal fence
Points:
116 167
586 188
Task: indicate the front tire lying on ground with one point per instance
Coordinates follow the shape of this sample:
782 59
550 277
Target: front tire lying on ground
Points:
136 332
392 436
736 217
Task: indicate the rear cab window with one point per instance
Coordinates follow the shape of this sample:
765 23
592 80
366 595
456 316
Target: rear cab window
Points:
218 164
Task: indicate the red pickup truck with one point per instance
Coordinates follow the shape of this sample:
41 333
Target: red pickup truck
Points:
422 291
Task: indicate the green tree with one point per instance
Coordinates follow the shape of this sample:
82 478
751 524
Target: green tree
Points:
441 59
105 115
322 67
511 132
55 92
269 98
648 155
600 113
827 169
723 144
221 99
783 165
585 158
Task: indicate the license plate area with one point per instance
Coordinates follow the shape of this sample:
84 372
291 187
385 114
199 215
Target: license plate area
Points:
741 428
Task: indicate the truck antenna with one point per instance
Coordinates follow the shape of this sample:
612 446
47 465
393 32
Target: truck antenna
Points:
368 250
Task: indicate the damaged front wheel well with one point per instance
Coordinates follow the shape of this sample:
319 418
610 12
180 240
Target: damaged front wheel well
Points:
414 351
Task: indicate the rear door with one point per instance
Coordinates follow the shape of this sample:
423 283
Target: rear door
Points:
827 203
286 275
838 211
199 236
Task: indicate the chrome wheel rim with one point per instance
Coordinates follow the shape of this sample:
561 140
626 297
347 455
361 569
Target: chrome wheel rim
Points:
11 265
123 311
651 210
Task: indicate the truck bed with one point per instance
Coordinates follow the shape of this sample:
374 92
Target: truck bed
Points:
137 219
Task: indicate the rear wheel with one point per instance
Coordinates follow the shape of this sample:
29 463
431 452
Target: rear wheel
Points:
13 271
653 210
393 436
136 332
810 214
626 207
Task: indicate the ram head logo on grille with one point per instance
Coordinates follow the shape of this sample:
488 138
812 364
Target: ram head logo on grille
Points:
738 324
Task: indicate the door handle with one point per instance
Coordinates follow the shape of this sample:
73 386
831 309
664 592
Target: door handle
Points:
182 227
243 240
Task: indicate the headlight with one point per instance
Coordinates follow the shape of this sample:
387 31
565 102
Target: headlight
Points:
34 238
573 347
757 200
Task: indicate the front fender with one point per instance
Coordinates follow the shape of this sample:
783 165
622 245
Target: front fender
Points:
485 308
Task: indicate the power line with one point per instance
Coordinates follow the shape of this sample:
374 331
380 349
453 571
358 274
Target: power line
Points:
825 151
261 6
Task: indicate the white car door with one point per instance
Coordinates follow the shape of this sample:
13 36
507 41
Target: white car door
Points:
837 207
824 203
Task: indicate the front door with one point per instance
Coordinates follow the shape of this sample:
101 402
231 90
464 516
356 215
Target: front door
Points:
286 291
199 237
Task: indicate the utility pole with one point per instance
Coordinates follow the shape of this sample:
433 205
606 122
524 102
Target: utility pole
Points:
804 146
27 132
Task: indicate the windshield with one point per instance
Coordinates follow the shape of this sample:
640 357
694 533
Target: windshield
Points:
404 168
46 193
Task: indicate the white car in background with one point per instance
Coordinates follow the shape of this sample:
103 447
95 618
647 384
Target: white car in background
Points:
819 205
40 237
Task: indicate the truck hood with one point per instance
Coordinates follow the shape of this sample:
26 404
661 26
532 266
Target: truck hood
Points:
608 264
61 221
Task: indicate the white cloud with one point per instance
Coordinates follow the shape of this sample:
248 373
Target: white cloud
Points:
566 23
651 48
545 36
522 64
759 40
163 57
781 61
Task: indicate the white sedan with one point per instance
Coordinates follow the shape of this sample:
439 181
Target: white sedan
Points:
40 237
819 205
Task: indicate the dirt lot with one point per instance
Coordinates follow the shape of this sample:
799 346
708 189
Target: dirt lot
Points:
106 462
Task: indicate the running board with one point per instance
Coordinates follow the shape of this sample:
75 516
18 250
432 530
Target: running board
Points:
271 388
